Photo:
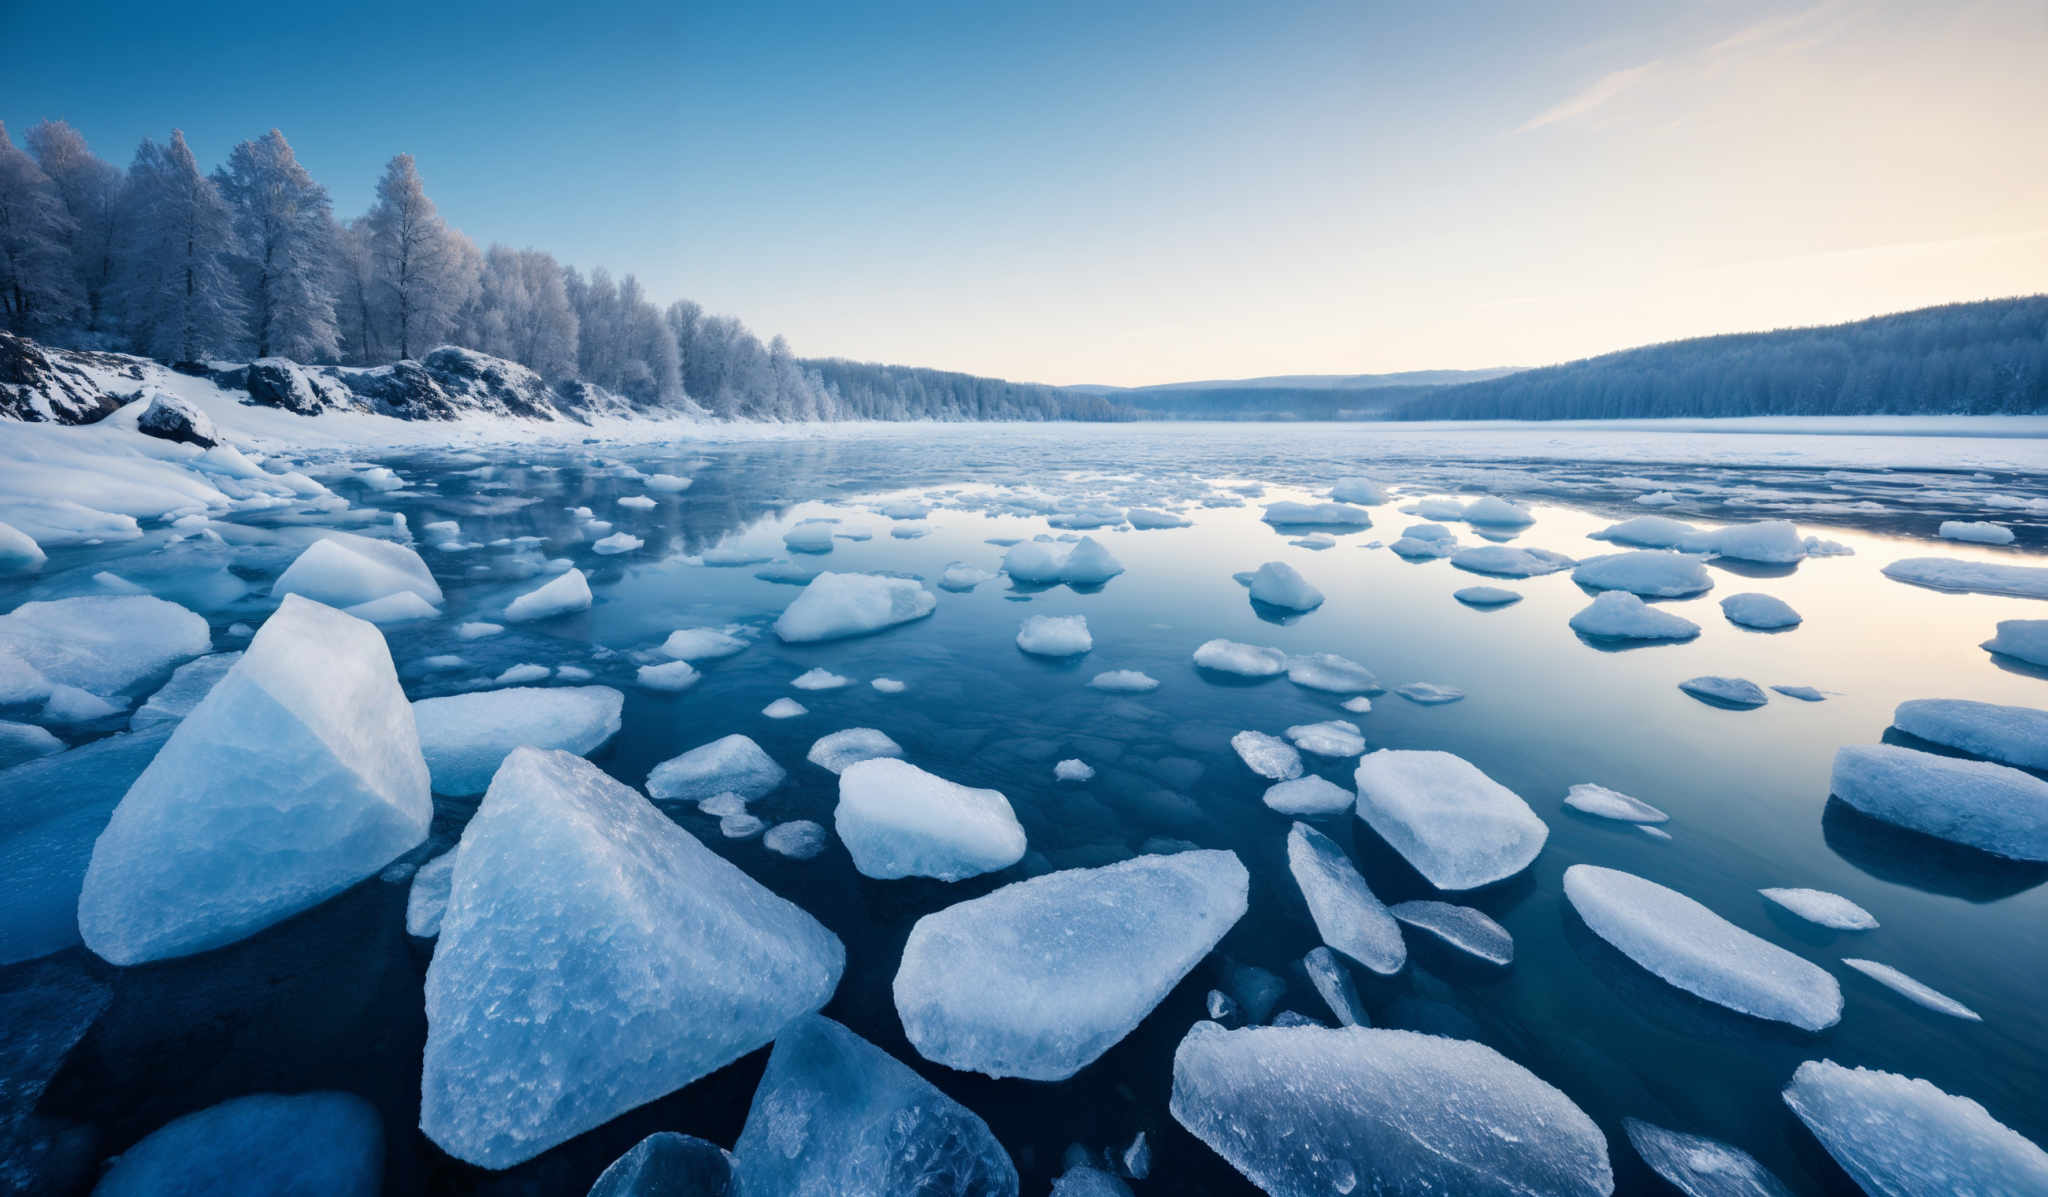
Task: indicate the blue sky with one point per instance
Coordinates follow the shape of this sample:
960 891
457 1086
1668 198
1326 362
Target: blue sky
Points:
1136 193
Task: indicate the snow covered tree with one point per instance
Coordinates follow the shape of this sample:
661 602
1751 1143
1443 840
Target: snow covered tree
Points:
355 304
285 224
425 271
91 189
37 287
522 312
176 287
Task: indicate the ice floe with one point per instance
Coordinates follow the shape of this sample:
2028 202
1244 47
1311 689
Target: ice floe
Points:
1619 615
1429 694
342 569
820 678
1739 693
1486 596
701 644
2022 640
1974 532
731 764
1334 515
1347 915
1279 584
465 737
2008 735
1268 756
1913 991
1073 769
899 821
1332 981
1508 561
321 1142
558 596
850 747
1462 927
1760 611
1328 673
1055 635
1980 577
1124 681
1647 573
1701 1167
670 676
1822 908
785 708
1245 660
101 644
1903 1137
1458 827
834 606
798 839
1310 795
1995 808
1332 738
1601 802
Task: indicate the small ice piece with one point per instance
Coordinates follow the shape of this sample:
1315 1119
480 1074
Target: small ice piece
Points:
888 685
671 676
324 1142
1507 561
21 742
465 737
1268 756
1996 808
731 764
905 509
1330 674
731 555
1089 564
1221 1005
1648 573
1696 950
834 1114
983 987
1137 1158
1307 1109
1767 542
1055 636
616 543
1334 515
1980 577
1736 692
477 629
1823 908
19 552
189 684
960 577
1975 533
740 827
1902 1137
564 991
1363 491
1603 803
1802 693
1658 498
1278 584
1347 915
809 538
1486 596
1317 541
1332 737
667 1164
899 821
785 708
1462 927
427 900
342 569
298 776
1764 612
667 482
102 644
2008 735
701 644
1913 991
1491 512
1429 694
850 747
1458 827
1073 769
1619 615
1333 981
637 502
1701 1167
573 673
820 678
519 675
1124 681
560 596
1309 795
2022 640
1146 519
1425 542
1245 660
798 839
723 803
1035 562
1654 532
69 705
1358 705
834 606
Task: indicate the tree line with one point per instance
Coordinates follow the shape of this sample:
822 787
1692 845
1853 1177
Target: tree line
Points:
249 261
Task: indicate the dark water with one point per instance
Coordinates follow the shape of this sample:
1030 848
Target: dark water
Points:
332 999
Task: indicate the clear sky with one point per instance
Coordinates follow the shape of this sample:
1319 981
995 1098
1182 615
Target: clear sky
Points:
1134 193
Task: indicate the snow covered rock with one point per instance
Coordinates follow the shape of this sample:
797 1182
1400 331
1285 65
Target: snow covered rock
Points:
985 987
833 606
467 736
1763 612
1279 584
1980 577
342 569
1822 908
595 956
1307 1109
667 1164
1245 660
1507 561
1975 533
1902 1137
1738 693
841 749
1458 827
1331 515
299 775
1647 573
2008 735
1995 808
557 596
172 419
101 644
899 821
1698 951
1918 993
330 1144
1462 927
1309 795
1603 803
836 1116
1268 756
1347 915
2022 640
1701 1167
1055 635
1619 615
729 765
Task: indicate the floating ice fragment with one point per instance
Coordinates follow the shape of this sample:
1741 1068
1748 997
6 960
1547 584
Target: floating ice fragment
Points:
1486 596
667 1164
1309 795
21 742
887 685
1267 756
1912 990
19 552
2008 735
342 569
1823 908
465 737
1073 769
960 578
2022 640
427 900
1458 827
1333 981
1429 694
1507 561
1246 660
701 644
1995 808
403 607
1802 693
1363 491
798 839
834 606
899 821
1146 519
1279 584
1760 611
809 538
1902 1137
1332 737
477 630
1326 672
102 644
1975 533
731 764
1462 927
1701 1167
671 676
1603 803
1492 512
331 1144
850 747
1347 915
1619 615
784 708
560 596
820 678
616 543
1055 636
1647 573
519 675
1125 681
1981 577
1334 515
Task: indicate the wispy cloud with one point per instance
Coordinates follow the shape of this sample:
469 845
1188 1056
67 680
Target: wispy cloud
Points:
1603 89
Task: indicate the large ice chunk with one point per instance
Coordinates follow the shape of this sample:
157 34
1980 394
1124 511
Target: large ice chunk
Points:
729 765
1998 809
1308 1109
841 749
2009 735
899 821
1649 573
1507 561
342 569
1981 577
467 736
1329 673
1347 915
1700 952
2022 640
701 644
1765 613
666 1164
189 684
1902 1137
1457 826
1767 542
1309 795
1278 584
1699 1166
1245 660
1619 615
1268 756
298 776
1055 635
557 596
19 552
331 1144
984 987
594 956
101 644
1331 515
836 1116
838 605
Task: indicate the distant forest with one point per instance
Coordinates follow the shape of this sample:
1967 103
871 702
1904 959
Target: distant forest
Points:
1988 358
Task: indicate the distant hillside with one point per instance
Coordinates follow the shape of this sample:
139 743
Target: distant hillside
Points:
1310 382
1283 397
1987 358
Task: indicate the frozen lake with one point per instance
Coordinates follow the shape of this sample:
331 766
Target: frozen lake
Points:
332 999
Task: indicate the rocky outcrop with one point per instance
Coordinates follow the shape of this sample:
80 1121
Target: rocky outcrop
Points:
281 382
67 386
172 419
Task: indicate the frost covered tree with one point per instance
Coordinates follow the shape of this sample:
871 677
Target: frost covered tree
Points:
37 287
521 311
91 190
425 271
176 288
355 302
285 225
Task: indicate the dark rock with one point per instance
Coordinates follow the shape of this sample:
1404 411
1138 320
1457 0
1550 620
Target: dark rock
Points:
308 391
172 419
39 384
